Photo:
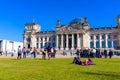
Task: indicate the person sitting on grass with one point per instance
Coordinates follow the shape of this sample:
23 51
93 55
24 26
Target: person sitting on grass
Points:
87 62
77 60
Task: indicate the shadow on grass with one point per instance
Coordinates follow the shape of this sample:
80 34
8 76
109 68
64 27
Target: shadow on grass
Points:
112 74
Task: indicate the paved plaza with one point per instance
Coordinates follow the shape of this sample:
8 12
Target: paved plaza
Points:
40 56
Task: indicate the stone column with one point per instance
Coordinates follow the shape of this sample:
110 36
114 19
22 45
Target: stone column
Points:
78 41
94 40
72 41
67 42
43 41
100 41
51 42
118 39
39 43
48 40
106 40
57 42
24 41
31 42
112 41
61 41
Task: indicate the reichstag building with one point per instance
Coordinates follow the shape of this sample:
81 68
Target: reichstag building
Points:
76 35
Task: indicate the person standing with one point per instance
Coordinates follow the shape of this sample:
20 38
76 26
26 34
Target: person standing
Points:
19 52
110 54
24 52
34 52
94 52
43 54
49 52
105 53
53 52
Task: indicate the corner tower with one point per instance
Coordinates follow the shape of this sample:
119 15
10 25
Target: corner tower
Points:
118 21
58 25
118 33
29 34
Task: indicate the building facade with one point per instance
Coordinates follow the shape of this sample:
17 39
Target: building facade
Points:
76 35
9 46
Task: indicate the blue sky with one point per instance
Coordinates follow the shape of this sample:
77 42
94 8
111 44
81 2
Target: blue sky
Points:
14 14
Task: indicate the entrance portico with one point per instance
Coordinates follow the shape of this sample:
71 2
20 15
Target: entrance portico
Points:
68 41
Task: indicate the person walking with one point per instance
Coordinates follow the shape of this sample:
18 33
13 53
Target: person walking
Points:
19 52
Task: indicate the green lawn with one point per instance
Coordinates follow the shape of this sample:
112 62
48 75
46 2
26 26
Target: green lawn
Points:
59 69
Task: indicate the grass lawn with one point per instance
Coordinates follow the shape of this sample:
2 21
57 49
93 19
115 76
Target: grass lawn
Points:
59 69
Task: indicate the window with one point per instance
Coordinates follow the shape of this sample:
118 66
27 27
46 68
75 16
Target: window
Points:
29 39
97 37
37 39
103 44
97 44
103 36
49 38
41 39
46 45
37 45
115 44
91 45
91 36
115 36
54 44
109 44
41 44
45 38
49 44
109 36
54 38
28 45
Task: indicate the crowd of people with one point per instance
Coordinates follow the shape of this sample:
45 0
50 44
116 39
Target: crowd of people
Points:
50 52
46 51
94 53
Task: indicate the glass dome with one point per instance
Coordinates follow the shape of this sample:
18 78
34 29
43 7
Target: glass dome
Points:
77 21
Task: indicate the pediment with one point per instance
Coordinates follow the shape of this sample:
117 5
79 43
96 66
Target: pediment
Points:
70 28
